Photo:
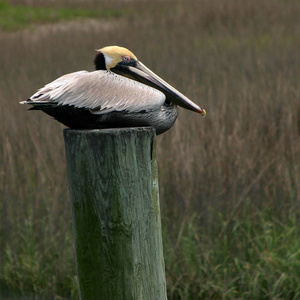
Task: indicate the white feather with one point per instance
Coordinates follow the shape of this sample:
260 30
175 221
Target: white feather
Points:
103 91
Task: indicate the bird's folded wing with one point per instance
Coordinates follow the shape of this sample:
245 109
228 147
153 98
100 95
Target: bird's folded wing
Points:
99 91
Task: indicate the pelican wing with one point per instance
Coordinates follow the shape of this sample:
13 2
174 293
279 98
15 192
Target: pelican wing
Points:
99 91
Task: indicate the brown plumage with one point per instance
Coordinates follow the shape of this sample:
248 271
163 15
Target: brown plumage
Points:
122 92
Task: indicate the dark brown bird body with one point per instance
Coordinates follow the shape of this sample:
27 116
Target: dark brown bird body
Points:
122 92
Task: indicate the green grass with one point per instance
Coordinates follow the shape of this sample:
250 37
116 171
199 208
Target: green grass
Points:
38 265
14 17
257 258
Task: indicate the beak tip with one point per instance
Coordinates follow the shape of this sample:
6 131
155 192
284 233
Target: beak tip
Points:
203 113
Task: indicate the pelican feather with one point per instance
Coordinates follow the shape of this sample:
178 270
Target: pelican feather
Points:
122 92
99 91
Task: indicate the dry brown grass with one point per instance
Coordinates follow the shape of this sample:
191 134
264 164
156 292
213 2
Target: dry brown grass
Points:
239 60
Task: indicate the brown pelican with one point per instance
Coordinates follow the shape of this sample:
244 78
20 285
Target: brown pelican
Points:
122 92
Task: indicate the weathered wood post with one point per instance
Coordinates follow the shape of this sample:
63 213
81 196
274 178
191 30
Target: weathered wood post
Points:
116 216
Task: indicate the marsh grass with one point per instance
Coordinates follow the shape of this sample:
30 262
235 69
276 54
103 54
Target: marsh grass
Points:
20 16
40 261
258 258
229 183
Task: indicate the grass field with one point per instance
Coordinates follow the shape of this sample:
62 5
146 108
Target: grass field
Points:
20 16
229 183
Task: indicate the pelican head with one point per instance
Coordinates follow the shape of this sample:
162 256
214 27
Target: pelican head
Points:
123 62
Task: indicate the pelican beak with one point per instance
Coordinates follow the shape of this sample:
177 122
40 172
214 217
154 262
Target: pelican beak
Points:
138 71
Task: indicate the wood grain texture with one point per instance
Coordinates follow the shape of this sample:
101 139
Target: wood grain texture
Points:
116 217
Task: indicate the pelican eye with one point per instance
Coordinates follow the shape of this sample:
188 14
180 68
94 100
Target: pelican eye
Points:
126 58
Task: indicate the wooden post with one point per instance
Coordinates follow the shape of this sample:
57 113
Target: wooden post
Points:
116 216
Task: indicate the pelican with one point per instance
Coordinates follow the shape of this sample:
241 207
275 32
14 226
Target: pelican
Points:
122 92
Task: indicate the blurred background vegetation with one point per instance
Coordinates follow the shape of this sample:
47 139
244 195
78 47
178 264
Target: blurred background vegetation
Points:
229 183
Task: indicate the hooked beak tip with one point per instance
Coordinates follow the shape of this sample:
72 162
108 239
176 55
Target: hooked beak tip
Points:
203 113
